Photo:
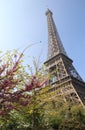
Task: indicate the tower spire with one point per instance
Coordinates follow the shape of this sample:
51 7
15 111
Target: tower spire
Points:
55 45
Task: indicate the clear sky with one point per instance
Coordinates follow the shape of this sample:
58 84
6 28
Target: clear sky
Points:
23 22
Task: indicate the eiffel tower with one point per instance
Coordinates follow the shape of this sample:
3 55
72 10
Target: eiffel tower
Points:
65 80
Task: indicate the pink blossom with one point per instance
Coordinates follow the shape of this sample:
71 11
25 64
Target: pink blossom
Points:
43 83
19 96
25 103
28 87
1 112
9 107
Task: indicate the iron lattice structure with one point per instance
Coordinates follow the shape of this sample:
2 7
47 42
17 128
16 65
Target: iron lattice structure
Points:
65 80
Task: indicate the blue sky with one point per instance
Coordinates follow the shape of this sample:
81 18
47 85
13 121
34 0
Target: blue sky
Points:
23 22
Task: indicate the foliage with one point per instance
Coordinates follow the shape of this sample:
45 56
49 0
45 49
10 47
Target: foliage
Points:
27 103
66 118
15 83
18 90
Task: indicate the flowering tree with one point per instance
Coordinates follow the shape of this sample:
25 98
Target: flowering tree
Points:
15 83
